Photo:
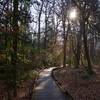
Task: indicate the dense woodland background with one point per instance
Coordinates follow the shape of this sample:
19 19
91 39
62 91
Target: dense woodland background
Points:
36 34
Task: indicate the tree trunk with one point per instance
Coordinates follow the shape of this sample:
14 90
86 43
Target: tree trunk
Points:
65 42
45 38
14 54
39 25
89 67
78 50
64 51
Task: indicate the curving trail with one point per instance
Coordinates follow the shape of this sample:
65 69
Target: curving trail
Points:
47 89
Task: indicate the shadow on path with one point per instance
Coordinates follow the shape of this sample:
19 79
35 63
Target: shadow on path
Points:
47 89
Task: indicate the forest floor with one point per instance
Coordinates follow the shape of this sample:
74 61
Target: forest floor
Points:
24 88
24 91
78 83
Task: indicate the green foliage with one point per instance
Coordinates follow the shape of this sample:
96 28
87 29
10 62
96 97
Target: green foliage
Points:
33 74
46 57
24 72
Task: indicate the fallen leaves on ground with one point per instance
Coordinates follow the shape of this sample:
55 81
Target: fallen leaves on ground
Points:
78 84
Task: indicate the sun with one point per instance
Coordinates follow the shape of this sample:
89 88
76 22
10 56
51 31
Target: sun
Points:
73 14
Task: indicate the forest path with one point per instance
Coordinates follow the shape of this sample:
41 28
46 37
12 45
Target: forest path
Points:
46 88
